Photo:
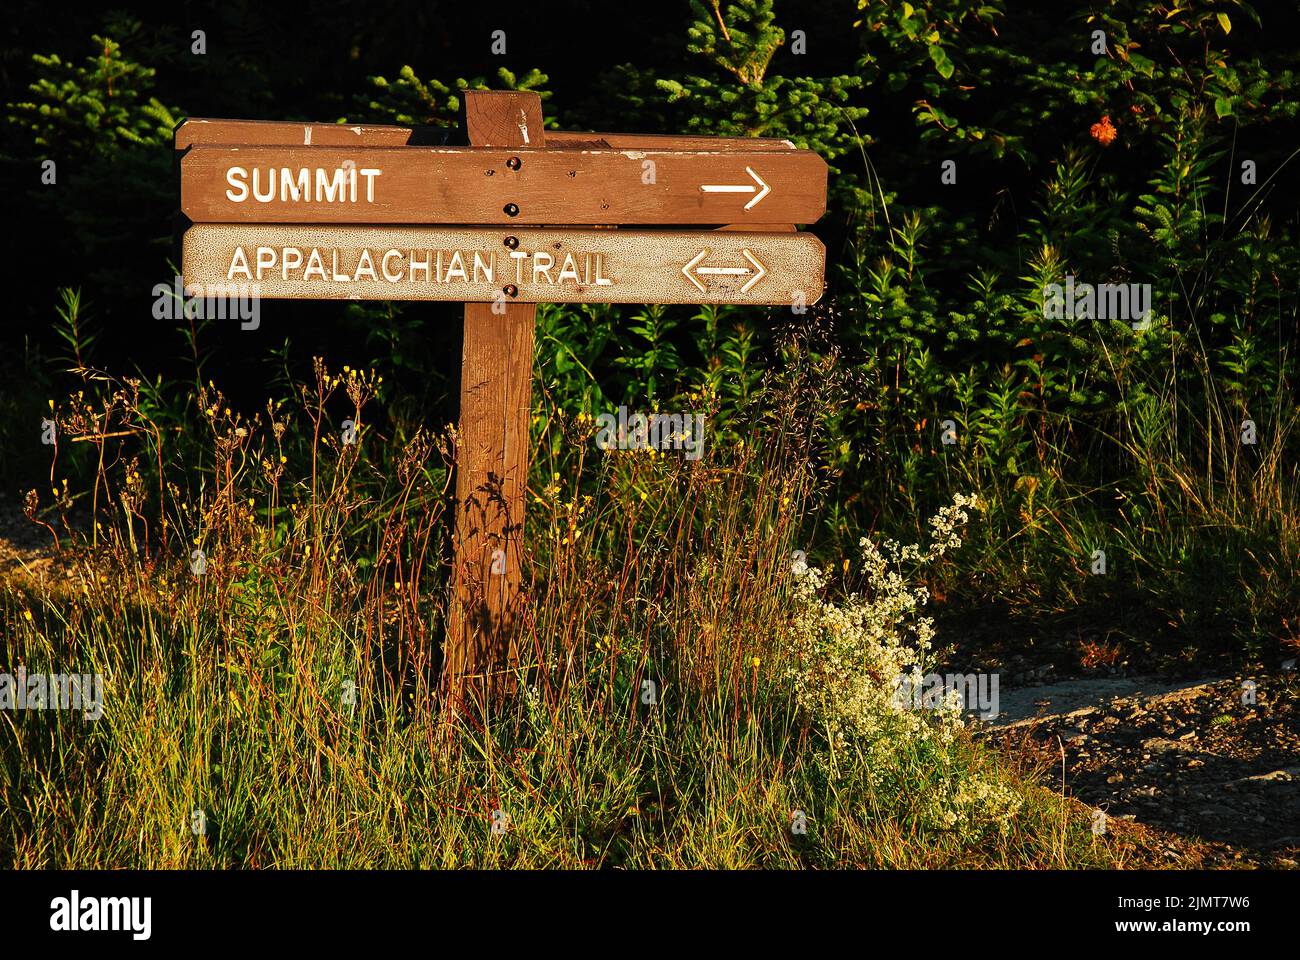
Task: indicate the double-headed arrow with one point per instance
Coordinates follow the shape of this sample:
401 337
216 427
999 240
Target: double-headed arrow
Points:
759 271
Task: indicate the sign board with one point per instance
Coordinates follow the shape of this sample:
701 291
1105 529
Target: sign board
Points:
506 186
199 132
485 264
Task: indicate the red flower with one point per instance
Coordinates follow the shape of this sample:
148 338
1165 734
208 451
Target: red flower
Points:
1103 132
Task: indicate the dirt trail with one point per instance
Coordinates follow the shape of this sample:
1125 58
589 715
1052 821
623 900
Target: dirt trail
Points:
26 549
1217 759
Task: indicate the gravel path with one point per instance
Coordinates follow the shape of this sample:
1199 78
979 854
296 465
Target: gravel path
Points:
1215 760
26 548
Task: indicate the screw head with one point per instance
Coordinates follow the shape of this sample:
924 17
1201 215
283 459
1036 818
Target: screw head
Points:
510 290
511 242
511 209
514 163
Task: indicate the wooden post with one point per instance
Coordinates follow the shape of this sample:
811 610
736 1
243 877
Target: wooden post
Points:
492 454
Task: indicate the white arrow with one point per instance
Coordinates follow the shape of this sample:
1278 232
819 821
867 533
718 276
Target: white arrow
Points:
759 271
762 188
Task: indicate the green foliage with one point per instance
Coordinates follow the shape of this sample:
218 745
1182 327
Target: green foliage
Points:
929 368
72 330
96 108
110 140
939 53
739 95
1119 164
982 78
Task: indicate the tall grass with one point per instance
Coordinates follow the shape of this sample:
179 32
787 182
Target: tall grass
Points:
281 708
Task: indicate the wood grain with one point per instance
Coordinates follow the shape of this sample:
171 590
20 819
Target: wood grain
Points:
641 266
200 131
492 457
481 185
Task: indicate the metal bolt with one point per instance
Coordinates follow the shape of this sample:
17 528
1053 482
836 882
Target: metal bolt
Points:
512 209
510 290
514 163
511 242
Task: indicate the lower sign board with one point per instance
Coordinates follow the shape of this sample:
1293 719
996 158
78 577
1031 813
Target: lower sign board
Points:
538 265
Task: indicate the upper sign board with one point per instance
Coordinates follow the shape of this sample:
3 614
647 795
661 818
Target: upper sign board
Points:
482 185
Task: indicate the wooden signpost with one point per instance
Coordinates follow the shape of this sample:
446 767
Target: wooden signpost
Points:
521 216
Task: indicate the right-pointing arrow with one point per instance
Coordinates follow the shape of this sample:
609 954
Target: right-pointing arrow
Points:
760 191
